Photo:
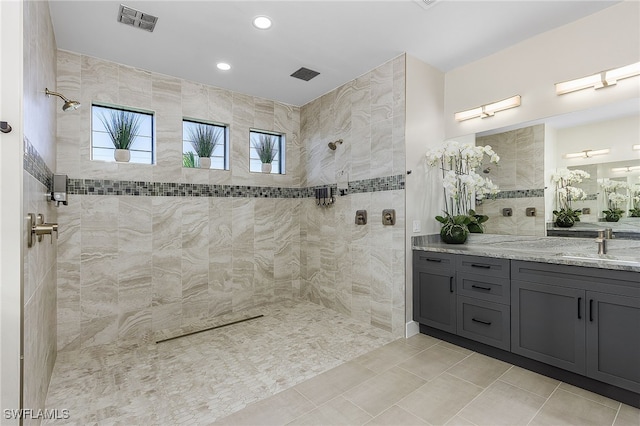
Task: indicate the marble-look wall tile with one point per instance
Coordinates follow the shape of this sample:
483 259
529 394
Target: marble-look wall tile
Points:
170 99
521 167
199 258
356 269
220 256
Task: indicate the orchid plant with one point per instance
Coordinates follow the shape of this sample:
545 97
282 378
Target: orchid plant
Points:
614 199
635 200
463 186
566 192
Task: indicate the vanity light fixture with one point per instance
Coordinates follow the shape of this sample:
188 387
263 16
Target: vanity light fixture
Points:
587 153
223 66
636 147
599 80
489 110
625 169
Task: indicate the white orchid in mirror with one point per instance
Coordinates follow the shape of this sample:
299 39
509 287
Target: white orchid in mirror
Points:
635 200
566 192
615 200
463 186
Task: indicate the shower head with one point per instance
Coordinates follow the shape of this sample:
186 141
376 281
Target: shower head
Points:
334 145
68 104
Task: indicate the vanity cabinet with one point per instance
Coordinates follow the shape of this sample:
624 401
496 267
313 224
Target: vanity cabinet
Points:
579 319
548 324
483 311
434 297
613 339
584 320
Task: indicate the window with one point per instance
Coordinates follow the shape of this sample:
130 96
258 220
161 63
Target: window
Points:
102 147
258 139
218 132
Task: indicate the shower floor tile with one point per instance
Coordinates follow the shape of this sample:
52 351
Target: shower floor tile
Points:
203 377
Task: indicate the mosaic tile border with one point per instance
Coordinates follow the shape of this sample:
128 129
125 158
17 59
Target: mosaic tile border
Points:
35 165
171 189
520 193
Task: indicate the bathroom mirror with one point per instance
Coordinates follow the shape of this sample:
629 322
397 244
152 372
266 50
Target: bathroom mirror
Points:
614 127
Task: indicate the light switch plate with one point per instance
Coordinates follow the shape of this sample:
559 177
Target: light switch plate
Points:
416 226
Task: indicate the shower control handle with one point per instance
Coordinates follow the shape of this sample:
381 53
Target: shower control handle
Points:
38 228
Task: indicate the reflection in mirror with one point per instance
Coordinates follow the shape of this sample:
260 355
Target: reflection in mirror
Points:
533 151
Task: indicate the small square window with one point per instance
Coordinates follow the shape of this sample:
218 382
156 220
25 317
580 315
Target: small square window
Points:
209 139
105 122
266 146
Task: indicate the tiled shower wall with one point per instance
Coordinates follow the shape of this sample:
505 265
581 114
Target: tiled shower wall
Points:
132 265
357 269
520 177
39 269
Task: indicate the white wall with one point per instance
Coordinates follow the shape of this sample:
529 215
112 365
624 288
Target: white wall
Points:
11 207
604 40
423 130
618 135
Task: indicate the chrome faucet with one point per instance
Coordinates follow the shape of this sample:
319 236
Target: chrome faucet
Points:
602 240
608 233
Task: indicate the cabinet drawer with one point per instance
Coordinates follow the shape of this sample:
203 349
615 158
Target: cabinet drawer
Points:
434 260
482 287
488 266
485 322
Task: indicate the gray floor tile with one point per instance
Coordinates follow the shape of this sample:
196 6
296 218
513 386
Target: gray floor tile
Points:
503 404
565 408
530 381
440 399
332 383
479 369
384 390
396 416
338 411
432 361
627 416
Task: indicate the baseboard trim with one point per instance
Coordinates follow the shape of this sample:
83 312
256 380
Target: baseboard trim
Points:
411 329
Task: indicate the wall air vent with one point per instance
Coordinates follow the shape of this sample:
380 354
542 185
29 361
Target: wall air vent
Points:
130 16
305 74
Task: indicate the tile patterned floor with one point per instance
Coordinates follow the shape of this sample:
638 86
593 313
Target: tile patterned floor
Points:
304 365
200 378
425 381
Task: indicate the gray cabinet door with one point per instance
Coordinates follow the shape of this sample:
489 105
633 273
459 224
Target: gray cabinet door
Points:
434 299
548 324
613 339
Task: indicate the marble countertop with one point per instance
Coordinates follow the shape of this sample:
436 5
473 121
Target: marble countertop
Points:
621 255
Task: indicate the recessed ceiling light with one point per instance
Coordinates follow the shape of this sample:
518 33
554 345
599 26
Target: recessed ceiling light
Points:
262 22
223 66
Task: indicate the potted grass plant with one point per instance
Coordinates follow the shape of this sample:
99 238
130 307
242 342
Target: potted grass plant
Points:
265 146
122 127
204 139
190 160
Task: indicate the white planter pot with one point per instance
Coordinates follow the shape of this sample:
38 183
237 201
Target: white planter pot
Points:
205 162
122 155
266 167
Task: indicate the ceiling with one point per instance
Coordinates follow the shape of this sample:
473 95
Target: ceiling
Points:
340 39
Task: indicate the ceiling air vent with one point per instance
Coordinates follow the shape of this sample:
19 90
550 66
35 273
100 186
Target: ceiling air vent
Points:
425 4
305 74
130 16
